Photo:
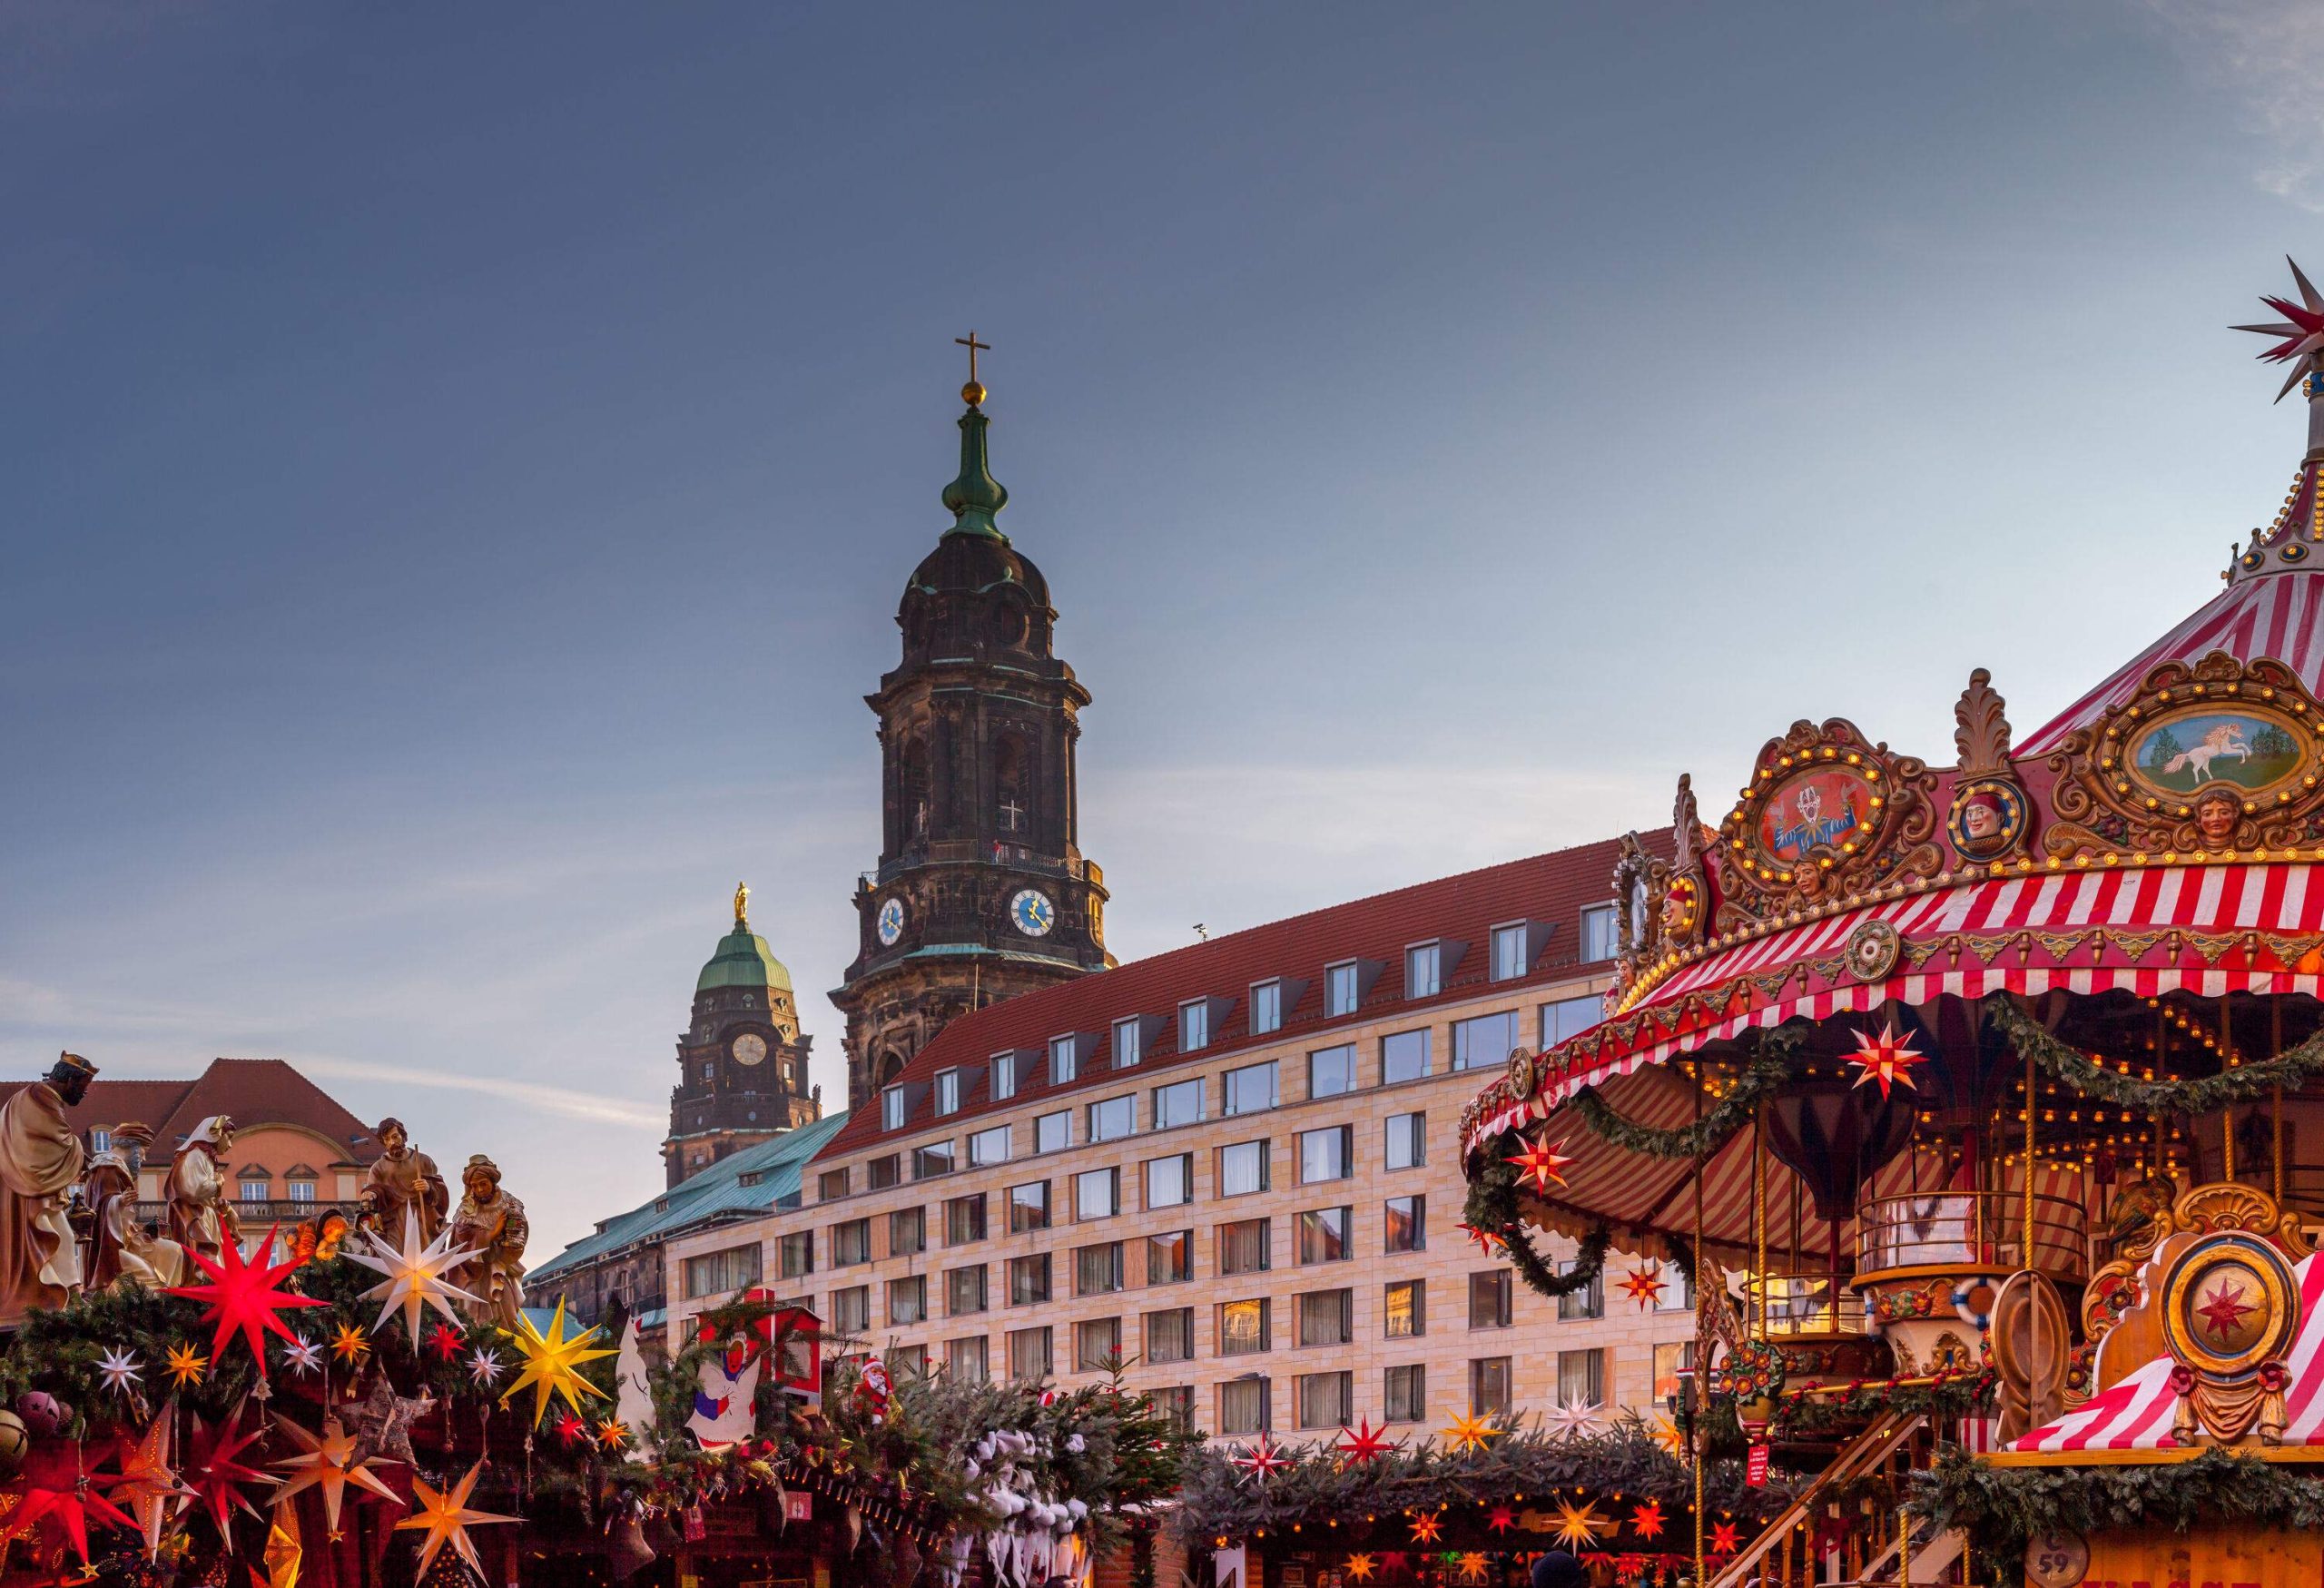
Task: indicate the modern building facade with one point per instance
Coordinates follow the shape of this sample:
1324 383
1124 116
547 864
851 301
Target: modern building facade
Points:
1233 1167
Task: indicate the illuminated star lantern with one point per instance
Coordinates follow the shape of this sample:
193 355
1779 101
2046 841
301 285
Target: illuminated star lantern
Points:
350 1345
414 1276
1666 1434
1501 1519
553 1361
303 1355
1363 1443
568 1428
244 1300
1723 1539
1886 1059
1543 1166
120 1370
1579 1526
613 1433
185 1365
444 1341
1360 1568
2222 1310
2301 330
327 1462
1472 1566
485 1367
1487 1242
57 1483
1647 1520
1261 1461
446 1517
1575 1419
1425 1527
214 1473
149 1486
1468 1433
1644 1285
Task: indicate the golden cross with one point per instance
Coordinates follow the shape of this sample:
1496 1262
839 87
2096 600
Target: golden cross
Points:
969 342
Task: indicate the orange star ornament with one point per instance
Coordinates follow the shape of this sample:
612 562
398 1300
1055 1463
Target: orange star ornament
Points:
1887 1058
446 1517
1644 1285
1647 1520
1425 1527
1543 1166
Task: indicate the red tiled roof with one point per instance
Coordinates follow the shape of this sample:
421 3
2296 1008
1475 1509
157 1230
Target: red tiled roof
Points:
249 1091
1552 889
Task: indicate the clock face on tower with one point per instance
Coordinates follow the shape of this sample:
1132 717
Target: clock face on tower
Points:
1032 913
891 922
749 1048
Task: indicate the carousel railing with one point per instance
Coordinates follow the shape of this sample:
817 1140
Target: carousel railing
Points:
1973 1230
1804 1303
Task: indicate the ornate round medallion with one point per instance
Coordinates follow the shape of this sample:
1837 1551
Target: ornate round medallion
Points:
2229 1303
749 1048
891 921
1524 1075
1031 913
2059 1558
1872 950
1988 818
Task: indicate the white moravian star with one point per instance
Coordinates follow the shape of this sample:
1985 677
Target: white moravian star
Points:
120 1370
303 1355
414 1276
1574 1419
485 1365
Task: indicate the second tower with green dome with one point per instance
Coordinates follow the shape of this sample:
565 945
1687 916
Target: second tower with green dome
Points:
742 1062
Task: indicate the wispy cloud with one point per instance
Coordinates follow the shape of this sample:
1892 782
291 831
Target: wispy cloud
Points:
550 1099
2270 54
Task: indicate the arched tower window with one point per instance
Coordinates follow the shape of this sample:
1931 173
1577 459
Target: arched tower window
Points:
1010 815
914 814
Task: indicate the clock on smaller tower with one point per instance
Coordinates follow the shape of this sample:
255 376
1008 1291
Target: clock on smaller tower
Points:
728 1096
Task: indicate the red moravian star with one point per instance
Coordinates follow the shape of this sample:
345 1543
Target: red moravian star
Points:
2301 330
1644 1285
445 1341
1543 1166
211 1471
1364 1442
1501 1519
1886 1059
1723 1541
1487 1242
1647 1520
58 1484
1425 1527
243 1299
2224 1308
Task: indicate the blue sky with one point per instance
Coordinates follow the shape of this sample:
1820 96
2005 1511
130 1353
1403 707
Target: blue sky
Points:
460 465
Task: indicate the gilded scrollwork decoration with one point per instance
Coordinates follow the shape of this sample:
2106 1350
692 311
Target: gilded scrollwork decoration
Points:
1827 815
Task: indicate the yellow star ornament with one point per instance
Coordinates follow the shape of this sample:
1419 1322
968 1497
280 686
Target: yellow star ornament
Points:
187 1366
350 1345
1360 1568
552 1362
446 1517
1579 1526
1467 1433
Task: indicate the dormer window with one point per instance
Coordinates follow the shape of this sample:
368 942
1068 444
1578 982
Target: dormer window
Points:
1193 1025
1266 1007
891 1107
1423 969
1004 1077
1065 1060
1340 988
948 1091
1129 1041
100 1139
1509 953
1597 935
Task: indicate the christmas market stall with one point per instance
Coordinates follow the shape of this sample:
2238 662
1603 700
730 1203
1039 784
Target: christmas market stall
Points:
1980 1095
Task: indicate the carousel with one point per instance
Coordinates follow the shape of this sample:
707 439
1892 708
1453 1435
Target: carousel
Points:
1978 1094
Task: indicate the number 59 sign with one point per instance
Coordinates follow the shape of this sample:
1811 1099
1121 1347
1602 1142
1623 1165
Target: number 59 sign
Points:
2056 1560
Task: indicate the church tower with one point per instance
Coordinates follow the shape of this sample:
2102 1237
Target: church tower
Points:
981 890
743 1064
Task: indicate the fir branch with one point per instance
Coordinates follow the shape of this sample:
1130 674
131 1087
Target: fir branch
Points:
2200 1095
1768 1071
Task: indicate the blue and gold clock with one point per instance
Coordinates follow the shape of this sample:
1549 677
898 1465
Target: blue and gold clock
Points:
1031 913
891 922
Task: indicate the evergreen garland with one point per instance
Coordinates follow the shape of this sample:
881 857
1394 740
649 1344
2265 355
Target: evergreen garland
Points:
1800 1415
1492 1208
1764 1076
2200 1095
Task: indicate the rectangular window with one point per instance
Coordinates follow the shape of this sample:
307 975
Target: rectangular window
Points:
1178 1103
1484 1042
831 1184
1170 1335
1488 1386
1242 1169
1341 989
1407 1141
1581 1376
1324 1399
1597 935
850 1243
1113 1119
908 1361
883 1172
891 1107
1510 955
1176 1404
798 1254
1098 1193
851 1310
1243 1405
1098 1269
1588 1302
1407 1310
1324 1235
301 1190
933 1159
1569 1017
964 1291
1327 1317
1128 1039
1677 1293
969 1360
964 1219
1004 1077
1170 1181
1404 1394
1489 1295
1242 1328
1407 1224
1097 1345
1403 1056
1053 1132
1028 1207
1672 1361
1029 1355
1266 1007
906 1231
101 1139
908 1300
1242 1246
948 1091
1170 1258
1065 1060
1331 1071
1252 1089
1029 1280
1327 1154
1193 1025
1423 971
728 1270
988 1147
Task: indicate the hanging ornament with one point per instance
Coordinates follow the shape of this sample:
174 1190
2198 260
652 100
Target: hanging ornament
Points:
445 1515
149 1484
327 1462
1472 1566
1543 1166
1261 1461
1646 1521
1644 1285
1885 1058
1723 1539
1487 1242
1666 1434
1425 1527
415 1274
58 1485
552 1362
243 1299
383 1425
1501 1519
303 1355
120 1370
485 1367
185 1365
1468 1433
1579 1526
613 1433
569 1429
350 1345
1573 1419
282 1553
1360 1568
1363 1443
214 1472
444 1342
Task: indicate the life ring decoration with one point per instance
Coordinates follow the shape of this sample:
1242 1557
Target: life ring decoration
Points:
1973 1300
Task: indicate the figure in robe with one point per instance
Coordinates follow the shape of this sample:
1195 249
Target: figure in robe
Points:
402 1177
491 1223
121 1248
202 1217
40 1159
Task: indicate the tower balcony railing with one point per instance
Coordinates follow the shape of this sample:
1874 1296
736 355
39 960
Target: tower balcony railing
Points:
254 1216
1015 855
1973 1232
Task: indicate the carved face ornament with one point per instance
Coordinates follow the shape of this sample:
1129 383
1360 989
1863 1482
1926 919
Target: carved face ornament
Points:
2216 816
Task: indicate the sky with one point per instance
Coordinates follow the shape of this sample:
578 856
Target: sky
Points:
459 465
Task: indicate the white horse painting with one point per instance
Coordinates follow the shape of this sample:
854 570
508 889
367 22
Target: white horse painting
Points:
2225 742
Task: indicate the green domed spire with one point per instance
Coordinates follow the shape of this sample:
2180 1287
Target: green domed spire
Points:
975 496
743 959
